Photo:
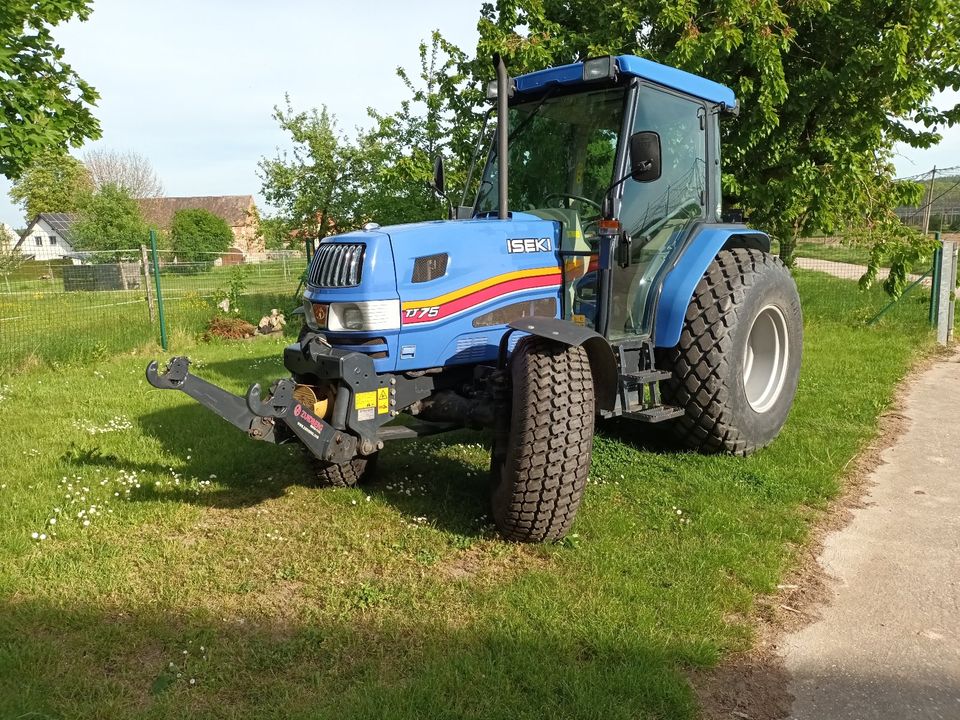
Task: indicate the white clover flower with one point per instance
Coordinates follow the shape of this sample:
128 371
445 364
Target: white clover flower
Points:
35 535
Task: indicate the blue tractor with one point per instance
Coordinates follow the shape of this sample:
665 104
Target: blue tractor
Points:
608 285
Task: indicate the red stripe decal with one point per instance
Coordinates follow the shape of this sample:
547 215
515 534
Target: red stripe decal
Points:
421 315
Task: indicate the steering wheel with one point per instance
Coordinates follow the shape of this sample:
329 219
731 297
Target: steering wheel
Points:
578 198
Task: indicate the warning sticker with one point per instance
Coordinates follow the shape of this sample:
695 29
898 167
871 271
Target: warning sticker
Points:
383 401
366 400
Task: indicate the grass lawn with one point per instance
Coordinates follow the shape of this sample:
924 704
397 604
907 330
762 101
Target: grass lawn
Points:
192 573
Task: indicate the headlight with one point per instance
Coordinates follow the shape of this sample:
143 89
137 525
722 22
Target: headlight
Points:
368 315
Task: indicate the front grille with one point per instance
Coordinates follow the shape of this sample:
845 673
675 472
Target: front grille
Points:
337 265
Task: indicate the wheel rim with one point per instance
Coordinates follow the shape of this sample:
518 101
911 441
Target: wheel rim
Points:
765 361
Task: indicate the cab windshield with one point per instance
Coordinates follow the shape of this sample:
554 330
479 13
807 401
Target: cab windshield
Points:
562 154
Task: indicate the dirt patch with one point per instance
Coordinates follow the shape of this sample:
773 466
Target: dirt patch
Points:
229 328
753 685
479 563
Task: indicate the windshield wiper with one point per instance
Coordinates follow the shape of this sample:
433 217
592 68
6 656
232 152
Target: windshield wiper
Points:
533 113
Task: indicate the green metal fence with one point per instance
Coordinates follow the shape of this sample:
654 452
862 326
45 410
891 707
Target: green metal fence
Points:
86 308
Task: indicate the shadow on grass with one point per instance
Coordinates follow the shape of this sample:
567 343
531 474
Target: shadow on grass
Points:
419 479
124 662
654 438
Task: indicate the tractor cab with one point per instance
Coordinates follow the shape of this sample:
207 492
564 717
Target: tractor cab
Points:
573 133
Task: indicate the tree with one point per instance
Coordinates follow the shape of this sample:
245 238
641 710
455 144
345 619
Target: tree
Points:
10 261
197 235
128 170
826 87
276 232
52 183
314 186
109 221
44 105
331 182
398 153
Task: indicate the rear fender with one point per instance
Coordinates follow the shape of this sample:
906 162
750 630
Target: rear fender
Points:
603 363
681 281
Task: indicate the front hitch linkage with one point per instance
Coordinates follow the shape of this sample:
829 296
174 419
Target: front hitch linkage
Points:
255 415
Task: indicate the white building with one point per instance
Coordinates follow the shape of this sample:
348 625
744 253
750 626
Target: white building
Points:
44 238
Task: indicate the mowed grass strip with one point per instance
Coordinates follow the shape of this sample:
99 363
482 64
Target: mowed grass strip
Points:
191 573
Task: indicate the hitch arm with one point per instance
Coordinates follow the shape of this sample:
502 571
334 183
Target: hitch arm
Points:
231 408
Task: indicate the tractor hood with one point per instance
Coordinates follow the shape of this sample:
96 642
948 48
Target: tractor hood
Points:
448 278
457 253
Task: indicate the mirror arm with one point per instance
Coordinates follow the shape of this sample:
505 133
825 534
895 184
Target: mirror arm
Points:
607 208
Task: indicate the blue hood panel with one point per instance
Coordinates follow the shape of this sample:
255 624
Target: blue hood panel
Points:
511 266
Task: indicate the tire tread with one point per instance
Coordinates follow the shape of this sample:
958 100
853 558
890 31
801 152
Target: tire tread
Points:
546 461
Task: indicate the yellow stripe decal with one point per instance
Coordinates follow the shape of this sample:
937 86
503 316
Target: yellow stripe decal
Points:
482 285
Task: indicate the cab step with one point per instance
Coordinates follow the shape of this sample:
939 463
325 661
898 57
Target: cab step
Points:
656 414
644 377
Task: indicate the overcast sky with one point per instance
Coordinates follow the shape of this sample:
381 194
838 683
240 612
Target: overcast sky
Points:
191 85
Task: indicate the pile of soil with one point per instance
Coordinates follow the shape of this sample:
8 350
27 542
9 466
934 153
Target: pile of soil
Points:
229 328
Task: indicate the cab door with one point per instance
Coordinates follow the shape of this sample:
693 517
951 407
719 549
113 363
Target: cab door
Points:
658 215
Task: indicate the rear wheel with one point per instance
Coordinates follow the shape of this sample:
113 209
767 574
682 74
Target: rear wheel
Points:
348 474
541 453
736 367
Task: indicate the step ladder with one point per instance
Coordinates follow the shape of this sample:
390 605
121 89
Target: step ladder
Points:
639 392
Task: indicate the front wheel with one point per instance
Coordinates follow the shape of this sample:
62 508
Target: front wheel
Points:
736 367
541 452
343 475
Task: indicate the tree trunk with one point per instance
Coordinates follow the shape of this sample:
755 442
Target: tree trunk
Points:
788 246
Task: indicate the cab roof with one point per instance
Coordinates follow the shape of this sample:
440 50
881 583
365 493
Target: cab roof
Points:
654 72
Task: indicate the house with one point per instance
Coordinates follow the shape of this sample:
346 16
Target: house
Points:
239 212
46 237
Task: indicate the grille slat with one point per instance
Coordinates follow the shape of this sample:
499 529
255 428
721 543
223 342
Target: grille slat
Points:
337 265
355 257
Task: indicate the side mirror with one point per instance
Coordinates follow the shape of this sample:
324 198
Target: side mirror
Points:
645 156
439 183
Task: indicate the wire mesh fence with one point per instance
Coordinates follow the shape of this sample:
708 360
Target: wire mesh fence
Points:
86 308
91 306
939 210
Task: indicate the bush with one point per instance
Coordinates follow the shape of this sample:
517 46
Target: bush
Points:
109 220
197 234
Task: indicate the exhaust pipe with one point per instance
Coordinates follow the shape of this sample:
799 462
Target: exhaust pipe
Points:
503 131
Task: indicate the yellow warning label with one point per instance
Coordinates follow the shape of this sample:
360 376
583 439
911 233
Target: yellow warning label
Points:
383 401
366 400
580 320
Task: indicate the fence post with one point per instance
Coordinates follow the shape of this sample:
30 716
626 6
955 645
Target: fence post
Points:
928 205
156 278
945 291
145 264
935 283
951 310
